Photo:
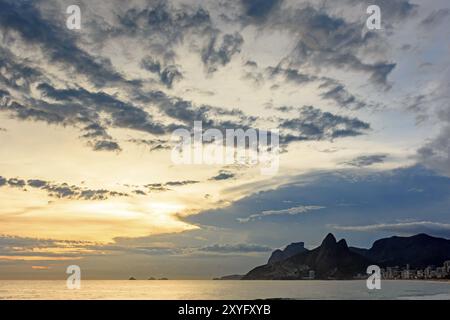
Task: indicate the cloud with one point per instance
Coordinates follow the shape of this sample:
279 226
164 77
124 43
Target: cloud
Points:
158 187
139 192
435 153
338 93
186 112
86 108
26 19
291 75
215 54
106 146
16 74
235 248
164 186
435 18
351 196
167 74
161 25
26 248
17 183
366 160
78 106
313 124
61 190
325 40
95 130
223 175
284 109
405 228
181 183
259 9
123 114
22 112
154 144
290 211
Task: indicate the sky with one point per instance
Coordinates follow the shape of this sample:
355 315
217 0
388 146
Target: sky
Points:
87 117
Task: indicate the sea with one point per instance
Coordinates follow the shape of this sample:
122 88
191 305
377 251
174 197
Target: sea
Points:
220 289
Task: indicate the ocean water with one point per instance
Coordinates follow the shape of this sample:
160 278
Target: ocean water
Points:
216 290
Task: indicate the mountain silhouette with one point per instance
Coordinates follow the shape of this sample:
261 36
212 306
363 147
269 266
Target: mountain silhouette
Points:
335 260
331 260
290 250
418 251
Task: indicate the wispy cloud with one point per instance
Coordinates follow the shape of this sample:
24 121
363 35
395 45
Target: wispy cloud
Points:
223 175
366 160
61 190
291 211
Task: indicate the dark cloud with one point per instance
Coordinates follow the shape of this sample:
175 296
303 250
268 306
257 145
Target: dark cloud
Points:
160 27
166 74
259 9
80 107
86 107
291 75
235 248
162 24
25 246
106 146
123 114
337 92
324 40
157 187
181 183
252 72
22 112
418 104
378 71
435 154
251 63
17 183
139 192
186 112
313 124
62 190
15 74
350 197
100 194
154 144
37 183
223 175
164 186
435 17
3 181
56 42
284 109
3 93
95 130
367 160
217 54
